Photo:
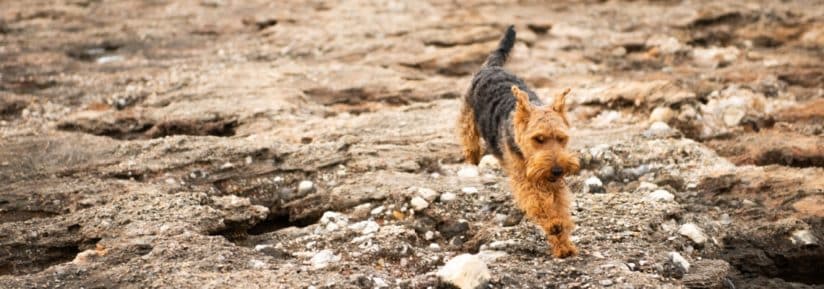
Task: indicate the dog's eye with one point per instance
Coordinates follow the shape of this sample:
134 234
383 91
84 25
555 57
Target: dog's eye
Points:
539 139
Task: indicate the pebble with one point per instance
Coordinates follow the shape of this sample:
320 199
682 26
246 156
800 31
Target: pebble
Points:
323 258
448 197
305 187
429 235
693 232
332 221
465 271
680 263
468 172
434 247
725 219
488 163
490 256
660 196
361 211
661 114
593 185
804 238
607 173
418 203
365 227
605 282
85 257
377 211
428 194
658 129
469 190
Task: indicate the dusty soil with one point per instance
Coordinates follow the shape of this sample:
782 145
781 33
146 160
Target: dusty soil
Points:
161 144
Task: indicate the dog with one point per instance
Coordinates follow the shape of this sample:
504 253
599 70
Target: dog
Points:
528 138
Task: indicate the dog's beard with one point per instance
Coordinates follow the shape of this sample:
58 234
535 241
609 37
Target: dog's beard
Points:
539 167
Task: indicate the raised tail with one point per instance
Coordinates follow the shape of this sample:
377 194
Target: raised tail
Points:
498 57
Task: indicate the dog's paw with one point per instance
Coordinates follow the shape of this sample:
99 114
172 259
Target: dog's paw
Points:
564 250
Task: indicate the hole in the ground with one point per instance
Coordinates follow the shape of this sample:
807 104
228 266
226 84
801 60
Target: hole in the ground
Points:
216 127
23 215
774 257
11 107
129 128
277 222
240 233
23 259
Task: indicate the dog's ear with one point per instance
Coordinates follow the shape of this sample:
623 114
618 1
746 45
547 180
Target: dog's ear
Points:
522 106
559 105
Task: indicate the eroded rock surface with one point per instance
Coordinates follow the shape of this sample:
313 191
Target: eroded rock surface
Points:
310 144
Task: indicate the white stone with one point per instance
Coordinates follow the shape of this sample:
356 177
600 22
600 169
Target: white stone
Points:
428 194
658 129
305 187
804 238
448 197
469 190
332 221
488 163
465 271
365 227
693 232
263 247
679 261
660 196
377 211
434 247
418 203
429 235
468 172
323 258
593 185
379 282
489 256
725 219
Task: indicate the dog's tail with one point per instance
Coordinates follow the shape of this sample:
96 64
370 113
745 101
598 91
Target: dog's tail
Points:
498 57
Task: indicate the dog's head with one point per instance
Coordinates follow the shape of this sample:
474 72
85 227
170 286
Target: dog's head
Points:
541 133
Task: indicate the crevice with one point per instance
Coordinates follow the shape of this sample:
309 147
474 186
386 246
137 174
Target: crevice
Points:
130 128
23 259
243 235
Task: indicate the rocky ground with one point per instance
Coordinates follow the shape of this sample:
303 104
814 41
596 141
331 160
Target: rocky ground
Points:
310 144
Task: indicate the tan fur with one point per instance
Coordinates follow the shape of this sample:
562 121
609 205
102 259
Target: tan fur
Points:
541 135
468 132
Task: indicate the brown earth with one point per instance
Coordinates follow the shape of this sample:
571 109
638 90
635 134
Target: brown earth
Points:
161 144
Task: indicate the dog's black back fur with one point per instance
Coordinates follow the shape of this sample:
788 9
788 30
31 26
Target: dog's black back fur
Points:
491 98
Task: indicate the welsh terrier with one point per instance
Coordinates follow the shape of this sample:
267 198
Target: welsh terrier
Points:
528 137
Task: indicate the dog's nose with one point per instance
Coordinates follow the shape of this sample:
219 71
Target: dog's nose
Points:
557 171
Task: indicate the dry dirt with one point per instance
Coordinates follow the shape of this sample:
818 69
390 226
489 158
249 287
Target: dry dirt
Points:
161 144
